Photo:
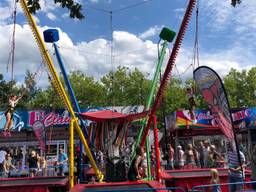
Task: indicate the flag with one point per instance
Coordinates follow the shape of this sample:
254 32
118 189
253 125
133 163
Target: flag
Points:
213 91
39 131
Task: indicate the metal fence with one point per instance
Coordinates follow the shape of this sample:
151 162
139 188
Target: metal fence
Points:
167 189
247 186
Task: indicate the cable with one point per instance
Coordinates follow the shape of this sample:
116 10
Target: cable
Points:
12 51
32 78
158 54
176 20
132 6
196 46
120 9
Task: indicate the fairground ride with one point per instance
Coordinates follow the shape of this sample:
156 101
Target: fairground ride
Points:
74 125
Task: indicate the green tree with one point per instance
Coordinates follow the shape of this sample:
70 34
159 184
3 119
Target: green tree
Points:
115 83
6 89
47 98
251 85
88 91
241 87
138 88
175 96
125 87
73 7
29 90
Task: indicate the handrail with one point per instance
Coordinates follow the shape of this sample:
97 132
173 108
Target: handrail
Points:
137 189
203 187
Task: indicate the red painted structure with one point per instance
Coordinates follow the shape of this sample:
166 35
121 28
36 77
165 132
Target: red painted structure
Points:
187 179
119 186
108 115
157 152
35 184
169 68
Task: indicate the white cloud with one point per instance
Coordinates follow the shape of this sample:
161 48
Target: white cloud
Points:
93 57
97 1
65 15
152 31
221 61
47 6
94 1
179 13
51 16
6 11
220 15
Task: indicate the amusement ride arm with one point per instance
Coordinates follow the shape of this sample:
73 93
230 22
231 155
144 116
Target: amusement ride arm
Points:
169 67
59 87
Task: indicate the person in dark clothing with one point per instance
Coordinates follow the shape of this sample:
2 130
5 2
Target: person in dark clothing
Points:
33 164
133 173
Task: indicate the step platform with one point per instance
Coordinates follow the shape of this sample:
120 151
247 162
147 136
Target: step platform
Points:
35 184
145 186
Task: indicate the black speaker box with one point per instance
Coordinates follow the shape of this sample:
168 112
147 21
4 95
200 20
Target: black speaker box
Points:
115 170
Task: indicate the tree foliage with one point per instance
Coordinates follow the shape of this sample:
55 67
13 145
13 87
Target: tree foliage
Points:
6 89
235 2
88 91
75 9
126 87
241 87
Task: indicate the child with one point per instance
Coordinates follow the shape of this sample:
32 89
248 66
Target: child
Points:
215 180
192 104
13 100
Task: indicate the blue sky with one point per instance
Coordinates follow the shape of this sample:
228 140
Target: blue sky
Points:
226 36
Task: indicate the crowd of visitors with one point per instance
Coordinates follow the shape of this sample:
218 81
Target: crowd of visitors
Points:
184 156
202 156
13 165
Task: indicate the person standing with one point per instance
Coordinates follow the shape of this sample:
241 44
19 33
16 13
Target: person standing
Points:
235 173
206 152
180 157
43 165
7 165
2 158
62 159
213 157
215 180
190 157
171 156
201 153
134 170
252 157
33 162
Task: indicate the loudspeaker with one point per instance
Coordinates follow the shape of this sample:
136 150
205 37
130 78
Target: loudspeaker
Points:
253 136
115 170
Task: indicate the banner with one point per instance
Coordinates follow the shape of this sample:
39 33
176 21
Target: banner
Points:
25 119
204 119
242 119
38 128
212 89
